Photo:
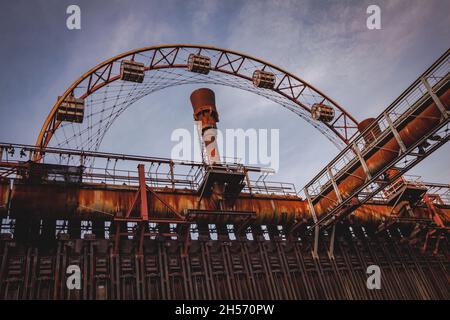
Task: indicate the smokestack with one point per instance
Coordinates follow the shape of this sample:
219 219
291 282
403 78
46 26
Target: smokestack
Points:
372 134
205 113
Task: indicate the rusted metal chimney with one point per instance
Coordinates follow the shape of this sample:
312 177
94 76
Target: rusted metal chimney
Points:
372 134
205 113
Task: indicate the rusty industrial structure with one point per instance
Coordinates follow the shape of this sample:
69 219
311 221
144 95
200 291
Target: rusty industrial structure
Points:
154 228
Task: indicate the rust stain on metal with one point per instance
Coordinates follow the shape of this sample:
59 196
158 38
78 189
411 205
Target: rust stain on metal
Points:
4 196
95 202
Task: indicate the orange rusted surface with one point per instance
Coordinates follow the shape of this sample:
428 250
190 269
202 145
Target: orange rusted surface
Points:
4 194
204 104
90 202
101 202
371 134
46 200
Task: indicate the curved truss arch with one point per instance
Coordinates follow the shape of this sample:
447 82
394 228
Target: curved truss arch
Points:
106 96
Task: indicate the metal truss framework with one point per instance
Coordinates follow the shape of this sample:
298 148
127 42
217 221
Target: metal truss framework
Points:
106 96
424 89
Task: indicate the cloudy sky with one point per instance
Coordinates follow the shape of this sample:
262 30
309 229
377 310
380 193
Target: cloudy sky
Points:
326 43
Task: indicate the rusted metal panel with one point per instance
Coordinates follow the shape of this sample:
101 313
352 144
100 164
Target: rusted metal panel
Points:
4 196
44 200
91 202
100 202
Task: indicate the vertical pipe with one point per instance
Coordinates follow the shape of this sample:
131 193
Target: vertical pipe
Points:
204 104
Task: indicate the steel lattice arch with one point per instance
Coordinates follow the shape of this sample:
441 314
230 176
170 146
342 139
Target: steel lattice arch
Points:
106 96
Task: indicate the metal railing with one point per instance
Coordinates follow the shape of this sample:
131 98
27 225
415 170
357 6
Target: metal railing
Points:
386 126
121 169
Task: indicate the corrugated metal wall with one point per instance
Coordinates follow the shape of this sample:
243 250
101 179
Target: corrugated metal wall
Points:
223 269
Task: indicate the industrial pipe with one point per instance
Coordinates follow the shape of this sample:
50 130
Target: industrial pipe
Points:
418 126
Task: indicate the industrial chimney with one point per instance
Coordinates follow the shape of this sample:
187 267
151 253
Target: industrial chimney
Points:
205 113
